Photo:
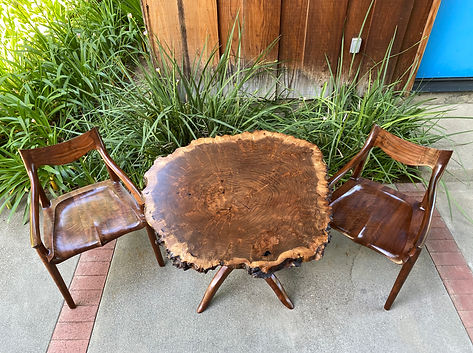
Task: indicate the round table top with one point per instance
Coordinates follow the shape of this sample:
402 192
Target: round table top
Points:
256 200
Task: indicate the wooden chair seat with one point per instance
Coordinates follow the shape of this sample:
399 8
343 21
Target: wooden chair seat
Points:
86 218
360 207
382 218
89 217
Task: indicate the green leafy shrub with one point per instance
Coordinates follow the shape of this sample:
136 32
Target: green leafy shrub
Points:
58 59
85 63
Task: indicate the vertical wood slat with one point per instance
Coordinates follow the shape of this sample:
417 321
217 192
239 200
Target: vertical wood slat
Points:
324 34
311 32
259 21
187 27
229 15
293 32
323 22
412 39
294 14
425 36
390 18
357 12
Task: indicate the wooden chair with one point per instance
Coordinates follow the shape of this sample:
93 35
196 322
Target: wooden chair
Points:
381 218
86 218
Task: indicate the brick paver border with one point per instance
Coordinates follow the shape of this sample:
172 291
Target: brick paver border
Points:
457 277
74 327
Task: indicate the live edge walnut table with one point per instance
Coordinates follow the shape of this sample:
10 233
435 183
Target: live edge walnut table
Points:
256 201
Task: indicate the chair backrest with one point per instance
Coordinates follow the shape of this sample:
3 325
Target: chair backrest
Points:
411 154
59 154
406 152
64 152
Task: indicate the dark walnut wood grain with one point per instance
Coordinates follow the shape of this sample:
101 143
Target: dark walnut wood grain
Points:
255 200
85 218
383 219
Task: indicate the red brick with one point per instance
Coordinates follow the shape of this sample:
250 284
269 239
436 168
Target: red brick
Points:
414 198
454 272
110 245
448 258
99 254
436 213
470 332
418 195
440 233
434 245
68 346
459 286
437 222
79 314
86 297
463 302
467 318
88 282
88 268
414 187
73 330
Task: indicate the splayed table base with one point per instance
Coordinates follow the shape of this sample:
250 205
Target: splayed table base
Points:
223 273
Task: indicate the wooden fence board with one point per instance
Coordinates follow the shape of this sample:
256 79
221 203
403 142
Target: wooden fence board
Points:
310 31
187 27
316 26
425 35
356 13
156 22
412 39
229 14
390 18
259 22
294 14
324 26
325 20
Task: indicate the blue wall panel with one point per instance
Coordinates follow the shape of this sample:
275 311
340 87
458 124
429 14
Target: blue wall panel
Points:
449 52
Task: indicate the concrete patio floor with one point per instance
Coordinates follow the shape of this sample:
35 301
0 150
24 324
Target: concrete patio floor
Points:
338 307
29 300
338 300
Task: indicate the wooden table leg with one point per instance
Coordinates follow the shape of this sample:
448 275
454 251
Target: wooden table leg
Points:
279 290
154 245
216 282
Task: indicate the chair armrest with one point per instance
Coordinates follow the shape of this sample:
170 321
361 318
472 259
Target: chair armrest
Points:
426 219
358 160
430 197
360 157
122 176
35 237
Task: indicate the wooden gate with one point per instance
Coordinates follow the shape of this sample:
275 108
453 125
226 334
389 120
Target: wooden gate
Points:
313 34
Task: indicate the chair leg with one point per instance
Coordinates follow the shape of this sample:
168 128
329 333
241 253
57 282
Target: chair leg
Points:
54 272
401 278
154 244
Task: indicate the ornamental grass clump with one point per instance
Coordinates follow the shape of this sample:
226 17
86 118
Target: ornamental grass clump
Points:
174 107
67 66
57 59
